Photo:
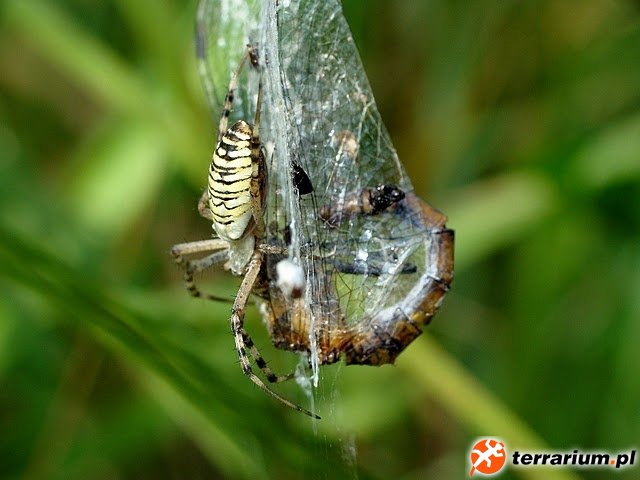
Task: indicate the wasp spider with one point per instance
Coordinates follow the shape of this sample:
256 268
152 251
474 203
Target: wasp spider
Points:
234 202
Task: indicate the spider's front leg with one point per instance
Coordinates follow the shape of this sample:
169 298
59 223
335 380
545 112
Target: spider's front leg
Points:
242 339
203 206
258 188
220 249
258 191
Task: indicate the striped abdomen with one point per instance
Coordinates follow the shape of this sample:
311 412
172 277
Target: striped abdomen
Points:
230 182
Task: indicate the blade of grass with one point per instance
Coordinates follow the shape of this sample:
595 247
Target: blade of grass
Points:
494 213
23 262
611 156
117 176
105 76
79 54
440 376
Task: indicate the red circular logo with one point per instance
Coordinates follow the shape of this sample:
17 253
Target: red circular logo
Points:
487 456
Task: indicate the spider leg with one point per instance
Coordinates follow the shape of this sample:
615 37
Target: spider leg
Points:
240 335
258 174
257 191
228 98
261 363
220 253
203 206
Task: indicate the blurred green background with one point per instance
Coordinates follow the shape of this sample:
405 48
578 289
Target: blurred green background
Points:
520 120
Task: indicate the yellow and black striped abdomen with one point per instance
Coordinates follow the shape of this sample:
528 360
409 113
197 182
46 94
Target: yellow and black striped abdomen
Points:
230 182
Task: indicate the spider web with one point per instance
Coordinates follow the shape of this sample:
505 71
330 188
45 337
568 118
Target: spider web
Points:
318 111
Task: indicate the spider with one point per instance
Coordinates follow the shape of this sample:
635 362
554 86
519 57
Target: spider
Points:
234 203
